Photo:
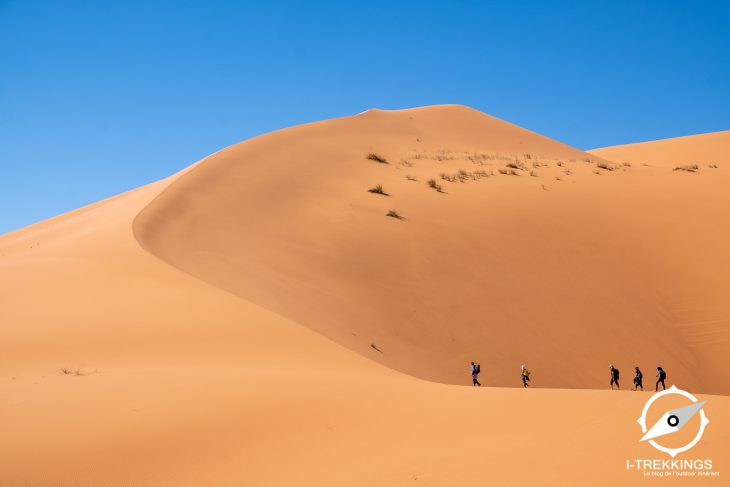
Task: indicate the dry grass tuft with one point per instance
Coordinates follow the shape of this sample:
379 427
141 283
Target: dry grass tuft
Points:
687 167
394 214
431 183
606 166
377 158
378 190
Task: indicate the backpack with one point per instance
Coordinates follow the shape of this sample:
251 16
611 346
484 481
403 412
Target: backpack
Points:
662 375
477 368
615 373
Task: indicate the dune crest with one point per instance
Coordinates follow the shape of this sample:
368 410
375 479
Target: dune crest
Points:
705 150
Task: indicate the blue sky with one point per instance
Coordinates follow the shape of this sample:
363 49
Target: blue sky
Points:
99 97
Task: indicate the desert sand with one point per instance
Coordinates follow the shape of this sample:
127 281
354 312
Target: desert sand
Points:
257 319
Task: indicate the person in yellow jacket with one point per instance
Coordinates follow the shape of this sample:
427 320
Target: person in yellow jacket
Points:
525 376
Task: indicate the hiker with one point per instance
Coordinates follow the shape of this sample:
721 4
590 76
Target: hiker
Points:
638 379
614 377
661 375
475 369
525 376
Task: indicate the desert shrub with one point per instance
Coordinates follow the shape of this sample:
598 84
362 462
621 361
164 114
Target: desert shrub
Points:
377 158
713 166
509 172
533 173
606 166
688 168
394 214
378 190
411 178
431 183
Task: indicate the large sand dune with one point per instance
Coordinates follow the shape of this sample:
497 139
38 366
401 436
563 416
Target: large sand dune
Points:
206 372
630 266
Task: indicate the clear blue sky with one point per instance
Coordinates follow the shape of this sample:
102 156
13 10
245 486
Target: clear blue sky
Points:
98 97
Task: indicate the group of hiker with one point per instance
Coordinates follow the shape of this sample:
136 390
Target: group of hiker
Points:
638 378
661 376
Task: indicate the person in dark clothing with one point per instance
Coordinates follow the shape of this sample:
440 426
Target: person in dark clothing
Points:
475 369
661 376
638 379
614 377
525 376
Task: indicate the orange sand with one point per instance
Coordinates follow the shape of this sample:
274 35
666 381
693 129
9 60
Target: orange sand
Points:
187 307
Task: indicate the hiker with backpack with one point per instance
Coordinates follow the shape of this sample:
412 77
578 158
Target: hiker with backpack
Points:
638 379
614 377
475 369
525 376
661 376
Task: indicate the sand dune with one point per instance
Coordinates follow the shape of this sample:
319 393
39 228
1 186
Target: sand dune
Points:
704 150
566 274
207 371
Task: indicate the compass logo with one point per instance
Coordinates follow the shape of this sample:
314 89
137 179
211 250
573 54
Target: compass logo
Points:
673 421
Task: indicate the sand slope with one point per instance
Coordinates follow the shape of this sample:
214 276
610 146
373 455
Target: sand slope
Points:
182 382
567 270
703 149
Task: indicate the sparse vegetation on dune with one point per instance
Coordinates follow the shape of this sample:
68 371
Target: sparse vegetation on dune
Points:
509 172
411 178
378 190
687 168
394 214
533 173
373 156
516 165
431 183
713 166
67 371
607 166
463 175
